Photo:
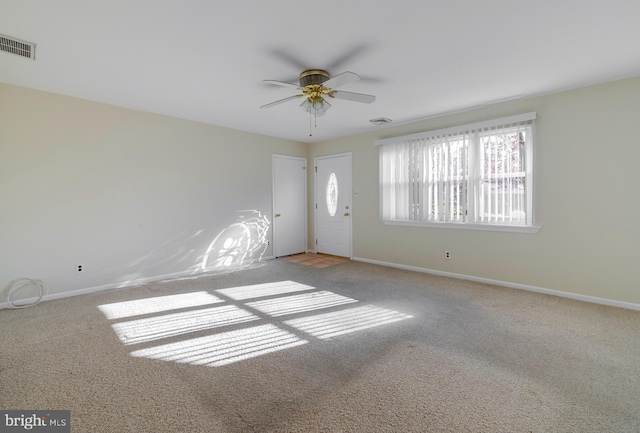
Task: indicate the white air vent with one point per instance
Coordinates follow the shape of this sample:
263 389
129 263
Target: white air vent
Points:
18 47
380 121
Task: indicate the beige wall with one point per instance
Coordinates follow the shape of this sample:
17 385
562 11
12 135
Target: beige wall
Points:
129 195
133 195
586 197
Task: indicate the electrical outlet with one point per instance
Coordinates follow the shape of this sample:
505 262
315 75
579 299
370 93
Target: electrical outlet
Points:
79 269
447 254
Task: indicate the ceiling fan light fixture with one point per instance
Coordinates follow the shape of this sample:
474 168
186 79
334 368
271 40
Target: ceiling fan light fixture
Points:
317 106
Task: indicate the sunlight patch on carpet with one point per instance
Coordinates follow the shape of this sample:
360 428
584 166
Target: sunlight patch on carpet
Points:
259 290
328 325
158 304
225 348
229 333
300 303
170 325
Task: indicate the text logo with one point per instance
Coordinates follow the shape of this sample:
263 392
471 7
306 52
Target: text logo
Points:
40 421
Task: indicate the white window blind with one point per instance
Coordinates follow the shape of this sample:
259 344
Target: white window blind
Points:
478 174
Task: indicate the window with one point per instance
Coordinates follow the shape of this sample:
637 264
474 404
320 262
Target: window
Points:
477 176
332 194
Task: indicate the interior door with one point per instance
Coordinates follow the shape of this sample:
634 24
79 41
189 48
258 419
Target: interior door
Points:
289 205
333 205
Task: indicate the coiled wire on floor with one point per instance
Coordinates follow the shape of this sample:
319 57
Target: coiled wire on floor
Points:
16 286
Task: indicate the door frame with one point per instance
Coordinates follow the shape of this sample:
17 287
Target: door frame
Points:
315 197
273 199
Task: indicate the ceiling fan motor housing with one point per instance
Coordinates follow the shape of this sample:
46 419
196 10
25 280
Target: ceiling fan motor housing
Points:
313 77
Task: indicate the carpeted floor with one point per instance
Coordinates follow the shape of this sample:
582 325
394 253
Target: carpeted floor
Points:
354 347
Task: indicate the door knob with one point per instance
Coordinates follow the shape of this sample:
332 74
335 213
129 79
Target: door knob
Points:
277 215
346 214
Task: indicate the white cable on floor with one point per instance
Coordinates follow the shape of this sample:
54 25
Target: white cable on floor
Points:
16 286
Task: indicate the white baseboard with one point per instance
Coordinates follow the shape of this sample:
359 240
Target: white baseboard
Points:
95 289
576 296
123 284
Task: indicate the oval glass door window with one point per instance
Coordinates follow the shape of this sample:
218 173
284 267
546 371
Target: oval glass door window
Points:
332 194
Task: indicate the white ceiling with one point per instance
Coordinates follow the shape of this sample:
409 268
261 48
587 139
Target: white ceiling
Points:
205 60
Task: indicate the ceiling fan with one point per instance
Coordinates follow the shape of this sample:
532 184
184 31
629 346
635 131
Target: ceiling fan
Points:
316 85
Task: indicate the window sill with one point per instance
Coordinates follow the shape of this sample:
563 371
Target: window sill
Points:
465 226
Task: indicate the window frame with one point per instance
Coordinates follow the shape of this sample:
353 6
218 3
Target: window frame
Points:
476 129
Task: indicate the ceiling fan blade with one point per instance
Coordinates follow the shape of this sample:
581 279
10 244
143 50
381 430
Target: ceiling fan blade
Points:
280 101
288 58
341 80
350 96
281 83
348 57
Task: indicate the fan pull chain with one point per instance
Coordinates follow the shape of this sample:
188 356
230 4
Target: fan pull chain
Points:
315 122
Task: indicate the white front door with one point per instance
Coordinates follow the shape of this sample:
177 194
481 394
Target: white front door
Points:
289 205
333 205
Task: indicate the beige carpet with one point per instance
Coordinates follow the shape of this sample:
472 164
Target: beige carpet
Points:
283 347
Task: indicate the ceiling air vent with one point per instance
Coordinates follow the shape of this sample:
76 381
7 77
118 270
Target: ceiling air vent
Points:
380 121
18 47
